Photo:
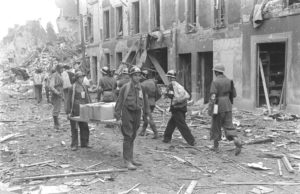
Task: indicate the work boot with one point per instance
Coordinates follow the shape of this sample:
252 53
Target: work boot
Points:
136 163
143 132
129 165
216 146
238 146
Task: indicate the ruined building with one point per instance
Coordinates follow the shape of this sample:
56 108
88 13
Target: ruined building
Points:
193 35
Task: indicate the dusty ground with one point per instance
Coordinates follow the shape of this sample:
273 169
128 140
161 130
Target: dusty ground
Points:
160 173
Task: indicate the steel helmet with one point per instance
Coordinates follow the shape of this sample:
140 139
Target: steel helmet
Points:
125 70
105 70
78 74
171 73
134 70
219 68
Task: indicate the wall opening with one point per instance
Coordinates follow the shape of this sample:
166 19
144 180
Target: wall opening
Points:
156 14
136 17
161 55
219 13
192 15
118 59
204 75
184 71
94 69
273 60
106 24
132 58
107 59
119 21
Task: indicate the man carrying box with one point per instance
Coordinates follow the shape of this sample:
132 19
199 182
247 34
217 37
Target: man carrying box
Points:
132 99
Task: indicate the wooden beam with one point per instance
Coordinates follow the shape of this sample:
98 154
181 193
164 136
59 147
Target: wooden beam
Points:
264 85
71 174
124 60
159 69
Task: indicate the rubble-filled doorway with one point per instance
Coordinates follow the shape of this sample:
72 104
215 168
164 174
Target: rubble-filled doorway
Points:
161 55
204 74
273 59
184 72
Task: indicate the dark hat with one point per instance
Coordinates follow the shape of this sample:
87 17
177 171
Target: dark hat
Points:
78 74
171 73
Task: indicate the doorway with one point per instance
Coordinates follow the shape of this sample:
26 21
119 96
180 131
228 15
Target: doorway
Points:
184 72
161 55
204 74
273 60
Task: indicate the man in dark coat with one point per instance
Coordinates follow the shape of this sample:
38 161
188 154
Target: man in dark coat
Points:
221 91
152 92
178 110
106 86
77 95
56 86
130 103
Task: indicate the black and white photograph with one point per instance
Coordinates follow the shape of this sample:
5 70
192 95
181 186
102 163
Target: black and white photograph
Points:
149 97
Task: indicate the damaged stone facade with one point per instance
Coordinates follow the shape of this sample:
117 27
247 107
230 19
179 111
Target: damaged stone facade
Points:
194 35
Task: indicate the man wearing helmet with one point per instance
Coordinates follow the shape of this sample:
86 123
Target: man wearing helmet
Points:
78 94
123 79
178 109
221 91
153 95
130 103
56 86
106 86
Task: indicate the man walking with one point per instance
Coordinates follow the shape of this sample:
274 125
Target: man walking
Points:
130 103
56 86
222 92
178 108
153 95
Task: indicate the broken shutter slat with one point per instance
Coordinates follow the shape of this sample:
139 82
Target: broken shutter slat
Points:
159 69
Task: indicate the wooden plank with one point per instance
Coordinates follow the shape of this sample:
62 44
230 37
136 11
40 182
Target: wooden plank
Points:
72 174
124 60
264 85
159 69
191 187
279 167
287 164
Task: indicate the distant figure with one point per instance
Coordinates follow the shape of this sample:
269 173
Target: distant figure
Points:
38 78
123 79
47 85
67 83
106 87
56 86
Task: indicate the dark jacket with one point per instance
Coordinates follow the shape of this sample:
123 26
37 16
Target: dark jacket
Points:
221 86
137 99
77 98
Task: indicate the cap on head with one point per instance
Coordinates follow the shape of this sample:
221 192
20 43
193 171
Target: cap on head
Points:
105 70
219 68
125 70
78 74
58 67
171 73
134 70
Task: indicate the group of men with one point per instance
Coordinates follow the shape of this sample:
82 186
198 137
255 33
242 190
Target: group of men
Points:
135 94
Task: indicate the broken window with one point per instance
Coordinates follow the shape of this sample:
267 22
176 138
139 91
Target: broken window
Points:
106 24
107 58
219 13
192 12
156 6
136 17
89 30
119 21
